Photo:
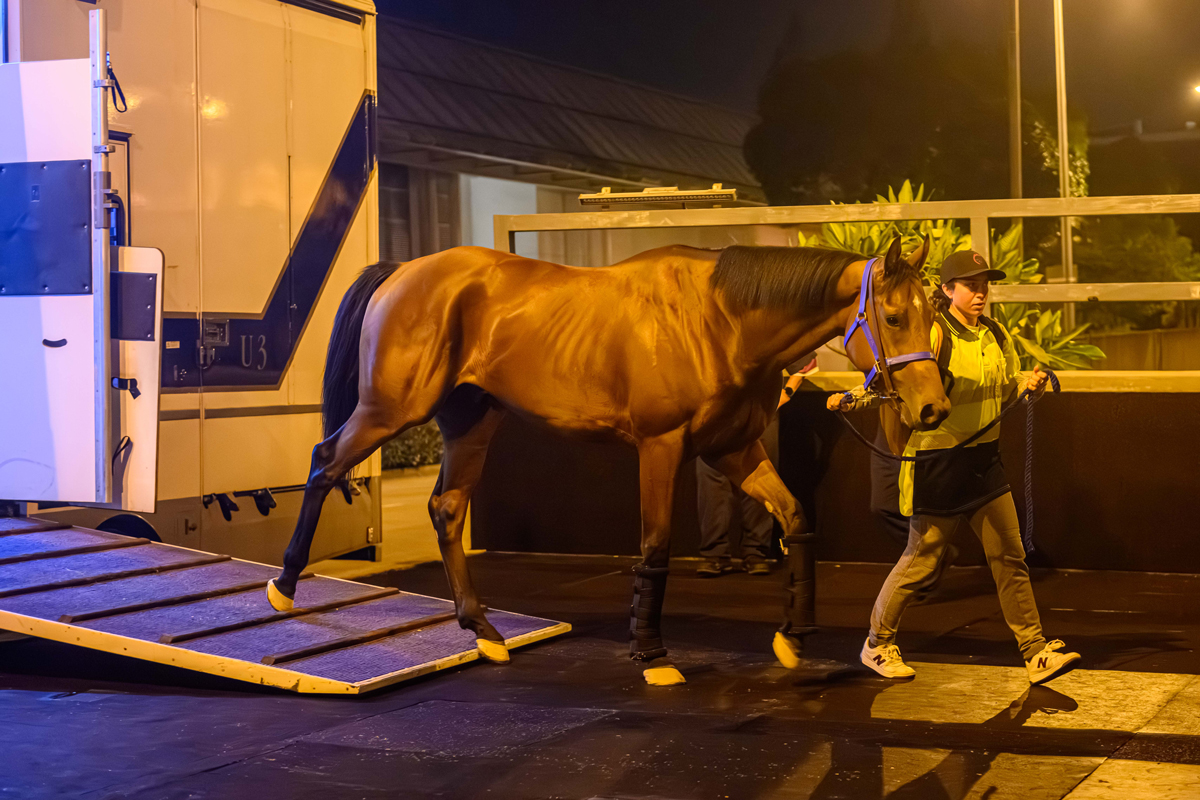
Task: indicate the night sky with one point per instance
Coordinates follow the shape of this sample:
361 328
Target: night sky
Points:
1126 59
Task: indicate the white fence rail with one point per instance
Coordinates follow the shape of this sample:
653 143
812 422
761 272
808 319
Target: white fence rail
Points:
978 212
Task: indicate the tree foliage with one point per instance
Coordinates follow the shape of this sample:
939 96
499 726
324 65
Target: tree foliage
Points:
835 128
1136 249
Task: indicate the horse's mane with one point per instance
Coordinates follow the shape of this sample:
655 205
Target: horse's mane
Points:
781 277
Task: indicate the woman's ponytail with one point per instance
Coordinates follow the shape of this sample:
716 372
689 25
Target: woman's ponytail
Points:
939 300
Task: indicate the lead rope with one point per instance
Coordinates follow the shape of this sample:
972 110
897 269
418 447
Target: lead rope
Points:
1030 399
1027 534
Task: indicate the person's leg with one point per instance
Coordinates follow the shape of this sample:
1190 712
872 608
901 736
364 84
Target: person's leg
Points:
757 525
885 493
714 504
999 531
927 540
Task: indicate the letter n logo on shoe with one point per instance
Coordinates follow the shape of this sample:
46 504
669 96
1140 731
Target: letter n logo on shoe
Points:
878 660
1042 662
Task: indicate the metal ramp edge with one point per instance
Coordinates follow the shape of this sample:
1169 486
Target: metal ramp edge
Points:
206 613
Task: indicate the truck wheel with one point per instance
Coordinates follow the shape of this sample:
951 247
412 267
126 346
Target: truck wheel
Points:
130 525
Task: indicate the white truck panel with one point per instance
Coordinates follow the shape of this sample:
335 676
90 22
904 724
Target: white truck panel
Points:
48 419
47 430
135 467
47 111
236 111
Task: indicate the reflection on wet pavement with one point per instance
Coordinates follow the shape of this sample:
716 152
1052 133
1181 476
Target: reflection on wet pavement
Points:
571 718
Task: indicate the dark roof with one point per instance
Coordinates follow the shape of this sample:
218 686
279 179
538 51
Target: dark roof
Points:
455 104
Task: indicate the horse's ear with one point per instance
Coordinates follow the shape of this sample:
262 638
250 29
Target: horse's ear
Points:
893 262
916 259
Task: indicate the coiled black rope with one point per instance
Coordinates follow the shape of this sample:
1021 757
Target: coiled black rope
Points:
1027 534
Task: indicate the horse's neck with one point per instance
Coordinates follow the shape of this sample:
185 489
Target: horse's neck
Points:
769 341
774 339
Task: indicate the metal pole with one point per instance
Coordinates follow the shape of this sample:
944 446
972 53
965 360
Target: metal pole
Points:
1014 102
101 183
1064 154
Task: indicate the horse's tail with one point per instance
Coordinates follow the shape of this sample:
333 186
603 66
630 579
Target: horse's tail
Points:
340 390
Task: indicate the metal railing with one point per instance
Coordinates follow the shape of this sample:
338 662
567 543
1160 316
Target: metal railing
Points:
978 212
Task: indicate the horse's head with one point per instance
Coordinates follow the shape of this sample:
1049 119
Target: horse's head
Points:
889 338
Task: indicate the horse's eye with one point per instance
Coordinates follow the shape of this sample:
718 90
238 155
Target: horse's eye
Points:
892 320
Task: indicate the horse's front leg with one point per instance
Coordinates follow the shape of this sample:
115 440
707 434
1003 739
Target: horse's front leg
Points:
659 460
753 472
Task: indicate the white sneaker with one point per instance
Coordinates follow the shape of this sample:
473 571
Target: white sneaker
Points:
886 660
1048 663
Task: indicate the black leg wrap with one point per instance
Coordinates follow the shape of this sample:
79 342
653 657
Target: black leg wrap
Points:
799 586
649 589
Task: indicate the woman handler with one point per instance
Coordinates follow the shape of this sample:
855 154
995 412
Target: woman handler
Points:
966 484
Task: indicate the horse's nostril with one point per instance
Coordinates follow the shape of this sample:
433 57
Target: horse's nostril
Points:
928 414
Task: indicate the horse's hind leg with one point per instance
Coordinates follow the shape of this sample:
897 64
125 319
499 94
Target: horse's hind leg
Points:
658 467
368 427
467 421
750 470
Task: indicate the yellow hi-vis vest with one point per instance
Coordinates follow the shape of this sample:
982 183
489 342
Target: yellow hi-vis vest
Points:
986 374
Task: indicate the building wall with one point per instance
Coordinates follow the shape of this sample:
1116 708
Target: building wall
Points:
1114 479
1169 349
483 198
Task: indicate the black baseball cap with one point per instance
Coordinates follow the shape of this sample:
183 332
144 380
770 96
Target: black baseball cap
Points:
968 264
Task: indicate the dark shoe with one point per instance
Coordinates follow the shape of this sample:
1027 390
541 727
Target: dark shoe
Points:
756 566
713 567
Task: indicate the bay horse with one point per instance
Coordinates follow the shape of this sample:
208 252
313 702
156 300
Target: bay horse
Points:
677 351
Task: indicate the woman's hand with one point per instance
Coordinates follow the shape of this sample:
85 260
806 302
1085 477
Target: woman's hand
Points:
837 402
1037 381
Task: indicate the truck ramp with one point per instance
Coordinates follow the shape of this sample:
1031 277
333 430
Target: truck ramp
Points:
209 613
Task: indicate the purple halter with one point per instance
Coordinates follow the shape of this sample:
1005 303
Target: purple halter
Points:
883 364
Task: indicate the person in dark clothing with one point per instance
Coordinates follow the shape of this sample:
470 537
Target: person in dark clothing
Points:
720 504
885 493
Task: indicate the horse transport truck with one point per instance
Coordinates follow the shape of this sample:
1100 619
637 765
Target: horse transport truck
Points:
187 188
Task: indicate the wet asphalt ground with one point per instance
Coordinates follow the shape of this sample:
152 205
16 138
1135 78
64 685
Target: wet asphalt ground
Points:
571 717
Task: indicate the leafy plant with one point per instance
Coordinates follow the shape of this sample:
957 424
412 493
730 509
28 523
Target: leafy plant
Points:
1037 334
871 239
1078 166
416 447
1039 338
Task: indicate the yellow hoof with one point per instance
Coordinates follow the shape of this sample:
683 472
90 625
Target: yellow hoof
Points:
278 600
663 676
493 651
786 650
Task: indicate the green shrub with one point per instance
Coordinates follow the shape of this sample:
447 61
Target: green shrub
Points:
416 447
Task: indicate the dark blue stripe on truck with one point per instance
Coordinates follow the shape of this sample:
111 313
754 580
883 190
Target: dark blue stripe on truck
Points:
255 353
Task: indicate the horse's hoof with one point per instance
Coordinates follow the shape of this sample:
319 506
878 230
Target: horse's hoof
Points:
278 600
787 650
663 676
496 652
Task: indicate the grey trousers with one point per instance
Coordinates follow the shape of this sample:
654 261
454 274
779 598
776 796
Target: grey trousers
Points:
999 531
720 504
